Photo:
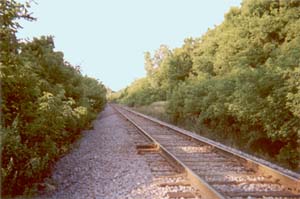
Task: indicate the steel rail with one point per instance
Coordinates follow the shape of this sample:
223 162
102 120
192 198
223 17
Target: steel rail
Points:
196 181
291 182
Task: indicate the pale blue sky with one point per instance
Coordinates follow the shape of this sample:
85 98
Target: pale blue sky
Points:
108 38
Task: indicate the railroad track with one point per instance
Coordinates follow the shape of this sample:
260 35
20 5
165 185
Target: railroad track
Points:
212 169
169 177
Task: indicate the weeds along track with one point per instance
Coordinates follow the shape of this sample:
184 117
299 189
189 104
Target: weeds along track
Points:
217 172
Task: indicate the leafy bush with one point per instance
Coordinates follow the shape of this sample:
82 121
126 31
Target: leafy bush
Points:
241 79
46 102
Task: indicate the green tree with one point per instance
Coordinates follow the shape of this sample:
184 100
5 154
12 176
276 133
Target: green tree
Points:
46 102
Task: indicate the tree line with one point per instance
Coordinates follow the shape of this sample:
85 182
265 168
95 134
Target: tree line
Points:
45 103
241 79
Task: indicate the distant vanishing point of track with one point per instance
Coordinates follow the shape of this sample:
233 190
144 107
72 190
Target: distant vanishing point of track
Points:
215 171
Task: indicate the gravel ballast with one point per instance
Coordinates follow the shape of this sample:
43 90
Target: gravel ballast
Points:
104 165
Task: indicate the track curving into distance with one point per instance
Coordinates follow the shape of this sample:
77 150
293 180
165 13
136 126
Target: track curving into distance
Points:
218 172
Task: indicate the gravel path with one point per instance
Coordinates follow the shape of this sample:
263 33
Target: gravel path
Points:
105 165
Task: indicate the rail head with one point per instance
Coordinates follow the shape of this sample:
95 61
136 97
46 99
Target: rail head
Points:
289 178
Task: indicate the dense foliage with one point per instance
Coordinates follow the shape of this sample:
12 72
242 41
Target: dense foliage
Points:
46 102
240 79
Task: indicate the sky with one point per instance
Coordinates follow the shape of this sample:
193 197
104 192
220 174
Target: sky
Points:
108 38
